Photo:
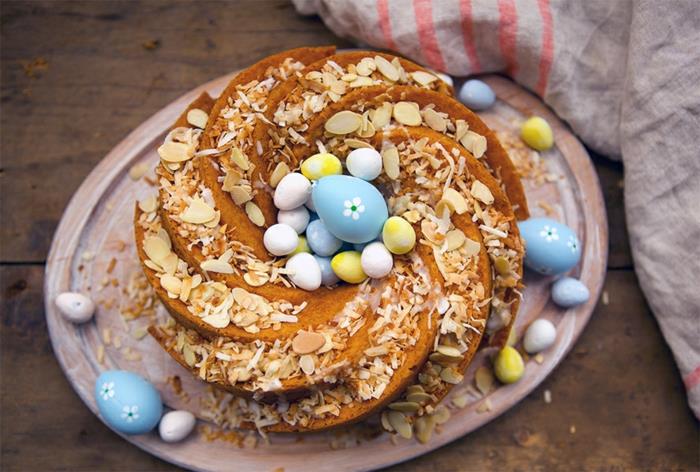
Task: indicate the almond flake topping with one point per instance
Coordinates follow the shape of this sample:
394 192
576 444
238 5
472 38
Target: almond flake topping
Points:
344 122
407 113
306 342
197 118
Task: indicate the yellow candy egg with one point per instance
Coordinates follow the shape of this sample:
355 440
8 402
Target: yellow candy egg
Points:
537 134
321 165
398 235
508 365
348 267
303 246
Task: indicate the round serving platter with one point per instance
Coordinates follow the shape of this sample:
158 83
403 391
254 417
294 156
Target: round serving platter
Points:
93 252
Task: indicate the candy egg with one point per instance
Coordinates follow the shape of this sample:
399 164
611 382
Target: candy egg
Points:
320 240
348 267
550 247
304 271
352 209
508 365
398 235
297 218
540 335
75 307
328 277
376 260
568 292
321 165
280 239
176 425
303 246
310 206
292 191
477 95
364 163
127 402
537 134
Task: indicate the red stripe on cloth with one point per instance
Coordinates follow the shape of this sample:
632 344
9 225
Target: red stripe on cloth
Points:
385 23
692 379
547 54
465 10
423 10
507 27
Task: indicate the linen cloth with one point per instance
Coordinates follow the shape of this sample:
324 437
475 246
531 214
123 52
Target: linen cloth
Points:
625 75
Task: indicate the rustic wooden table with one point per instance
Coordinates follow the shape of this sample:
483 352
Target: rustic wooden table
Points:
78 76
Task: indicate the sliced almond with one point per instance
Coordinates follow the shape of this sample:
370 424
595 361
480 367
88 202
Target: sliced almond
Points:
424 426
171 283
306 362
353 143
231 179
255 214
185 289
366 66
390 159
400 424
461 128
429 230
138 170
169 263
197 118
434 120
173 152
455 239
471 247
280 171
481 192
451 376
382 115
449 351
148 204
188 355
306 342
256 279
361 82
406 407
218 320
441 414
241 194
367 132
457 200
483 378
239 159
198 212
418 397
474 143
216 265
156 248
214 221
422 77
344 122
407 113
386 68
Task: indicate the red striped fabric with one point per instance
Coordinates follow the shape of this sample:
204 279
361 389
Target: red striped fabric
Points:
385 23
507 28
547 52
465 10
423 10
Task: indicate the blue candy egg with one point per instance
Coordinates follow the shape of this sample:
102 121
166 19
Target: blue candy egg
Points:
568 292
128 402
320 240
352 209
476 95
551 247
328 277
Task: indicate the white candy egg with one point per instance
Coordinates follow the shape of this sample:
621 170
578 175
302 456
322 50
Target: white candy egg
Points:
297 218
176 425
310 204
280 239
304 271
364 163
540 335
376 260
75 307
292 191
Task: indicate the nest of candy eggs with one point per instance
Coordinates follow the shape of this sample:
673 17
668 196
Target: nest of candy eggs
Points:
334 226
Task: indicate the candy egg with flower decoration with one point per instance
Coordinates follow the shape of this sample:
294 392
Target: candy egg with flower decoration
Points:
127 402
352 209
551 248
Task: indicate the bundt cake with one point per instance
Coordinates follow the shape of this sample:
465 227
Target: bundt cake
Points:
304 356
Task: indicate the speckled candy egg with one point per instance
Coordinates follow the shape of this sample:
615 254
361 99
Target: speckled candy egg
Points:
292 191
321 241
551 247
328 277
477 95
127 402
364 163
568 292
351 208
321 165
